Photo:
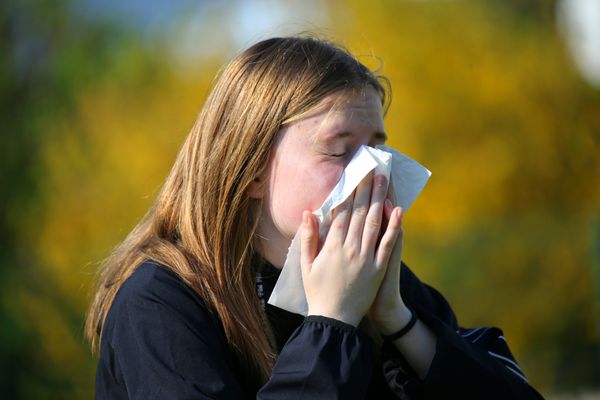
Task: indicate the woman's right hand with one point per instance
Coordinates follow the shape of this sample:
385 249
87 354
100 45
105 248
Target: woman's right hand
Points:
342 279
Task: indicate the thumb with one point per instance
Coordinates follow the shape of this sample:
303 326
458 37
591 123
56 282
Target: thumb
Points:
308 242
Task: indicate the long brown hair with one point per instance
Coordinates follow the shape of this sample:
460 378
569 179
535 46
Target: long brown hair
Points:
202 225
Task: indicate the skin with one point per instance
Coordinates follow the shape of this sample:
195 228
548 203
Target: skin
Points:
355 270
307 160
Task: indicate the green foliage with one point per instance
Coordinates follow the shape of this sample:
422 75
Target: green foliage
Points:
51 57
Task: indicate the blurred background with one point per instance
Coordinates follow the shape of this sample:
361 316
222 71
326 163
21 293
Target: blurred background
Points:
500 99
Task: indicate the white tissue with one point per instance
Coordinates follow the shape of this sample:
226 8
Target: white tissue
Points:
408 178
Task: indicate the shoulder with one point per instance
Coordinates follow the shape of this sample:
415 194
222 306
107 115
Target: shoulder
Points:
154 282
159 340
154 292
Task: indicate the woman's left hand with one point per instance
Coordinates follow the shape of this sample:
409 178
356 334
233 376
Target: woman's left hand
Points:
388 310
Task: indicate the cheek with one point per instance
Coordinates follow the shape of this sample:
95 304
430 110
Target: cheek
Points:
322 183
306 189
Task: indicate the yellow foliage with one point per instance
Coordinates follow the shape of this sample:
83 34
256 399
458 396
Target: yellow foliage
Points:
485 99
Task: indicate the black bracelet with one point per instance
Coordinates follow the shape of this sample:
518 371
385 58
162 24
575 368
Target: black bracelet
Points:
403 331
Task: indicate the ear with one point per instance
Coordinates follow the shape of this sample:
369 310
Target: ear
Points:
256 190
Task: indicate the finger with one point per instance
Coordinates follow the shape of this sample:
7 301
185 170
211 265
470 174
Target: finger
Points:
360 208
389 201
385 220
396 254
339 223
391 193
373 220
392 239
308 242
389 207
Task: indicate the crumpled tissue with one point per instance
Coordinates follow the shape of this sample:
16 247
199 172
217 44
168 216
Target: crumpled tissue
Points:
408 178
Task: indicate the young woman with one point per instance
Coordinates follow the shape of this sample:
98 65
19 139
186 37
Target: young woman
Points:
181 304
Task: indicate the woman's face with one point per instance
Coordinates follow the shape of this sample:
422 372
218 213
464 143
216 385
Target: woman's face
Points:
308 159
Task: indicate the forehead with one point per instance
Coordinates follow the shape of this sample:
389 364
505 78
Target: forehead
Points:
346 111
341 104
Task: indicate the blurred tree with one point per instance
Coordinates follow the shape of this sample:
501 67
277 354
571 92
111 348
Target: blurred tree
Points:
50 55
486 97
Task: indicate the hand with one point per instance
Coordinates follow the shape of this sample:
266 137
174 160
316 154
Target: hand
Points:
342 279
388 310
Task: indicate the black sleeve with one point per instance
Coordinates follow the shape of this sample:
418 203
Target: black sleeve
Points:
323 359
160 342
469 363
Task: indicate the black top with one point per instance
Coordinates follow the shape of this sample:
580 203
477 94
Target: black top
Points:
161 342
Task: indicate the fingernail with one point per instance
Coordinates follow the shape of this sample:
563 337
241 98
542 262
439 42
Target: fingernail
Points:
380 180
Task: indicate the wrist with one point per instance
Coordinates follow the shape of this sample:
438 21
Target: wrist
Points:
347 318
395 320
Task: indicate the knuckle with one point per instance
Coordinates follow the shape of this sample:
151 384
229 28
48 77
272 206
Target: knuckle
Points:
306 235
352 252
332 242
338 226
364 258
361 210
373 223
306 238
386 245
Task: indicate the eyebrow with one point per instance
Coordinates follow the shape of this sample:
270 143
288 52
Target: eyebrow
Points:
344 134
